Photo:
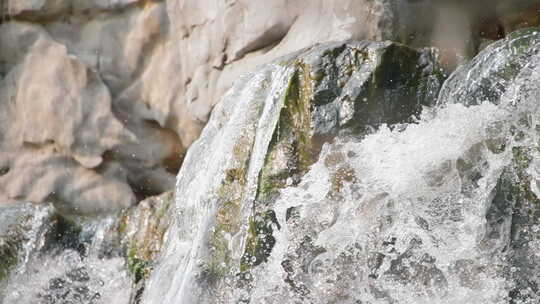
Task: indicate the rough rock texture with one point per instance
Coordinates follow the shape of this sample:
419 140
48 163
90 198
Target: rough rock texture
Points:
141 233
377 218
65 136
141 77
262 137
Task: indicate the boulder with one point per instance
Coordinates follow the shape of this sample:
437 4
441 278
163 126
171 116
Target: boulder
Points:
264 136
57 124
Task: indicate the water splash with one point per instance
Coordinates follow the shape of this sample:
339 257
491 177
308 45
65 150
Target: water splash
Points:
403 215
68 266
441 210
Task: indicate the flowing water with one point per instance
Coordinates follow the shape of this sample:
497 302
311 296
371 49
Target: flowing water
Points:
411 213
424 212
67 266
259 94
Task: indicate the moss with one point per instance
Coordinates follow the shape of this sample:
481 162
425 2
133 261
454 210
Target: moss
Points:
289 157
123 223
259 242
228 222
141 245
218 265
139 268
291 140
10 249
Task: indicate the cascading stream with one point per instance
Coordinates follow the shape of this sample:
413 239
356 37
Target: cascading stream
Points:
70 266
332 175
197 208
440 210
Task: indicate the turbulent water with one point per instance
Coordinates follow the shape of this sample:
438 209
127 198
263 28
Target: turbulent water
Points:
411 213
410 223
66 266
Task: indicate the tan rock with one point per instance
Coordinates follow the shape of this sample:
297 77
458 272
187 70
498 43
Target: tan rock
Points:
56 125
142 76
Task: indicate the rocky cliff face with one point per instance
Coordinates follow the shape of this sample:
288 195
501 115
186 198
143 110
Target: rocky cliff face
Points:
99 100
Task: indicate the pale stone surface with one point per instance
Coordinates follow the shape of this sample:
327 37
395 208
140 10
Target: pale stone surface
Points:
103 97
56 125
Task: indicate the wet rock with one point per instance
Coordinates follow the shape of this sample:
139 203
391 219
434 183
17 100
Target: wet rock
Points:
515 212
143 228
489 75
137 235
157 68
265 134
49 258
20 226
506 74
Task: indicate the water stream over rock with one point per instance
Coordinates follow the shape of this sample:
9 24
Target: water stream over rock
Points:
332 175
337 200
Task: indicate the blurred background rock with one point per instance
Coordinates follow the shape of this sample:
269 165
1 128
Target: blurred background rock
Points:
99 100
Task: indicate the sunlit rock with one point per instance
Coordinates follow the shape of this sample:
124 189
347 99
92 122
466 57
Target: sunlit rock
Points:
56 131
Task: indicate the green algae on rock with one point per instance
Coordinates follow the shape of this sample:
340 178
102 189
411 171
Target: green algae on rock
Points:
264 135
340 88
139 234
31 234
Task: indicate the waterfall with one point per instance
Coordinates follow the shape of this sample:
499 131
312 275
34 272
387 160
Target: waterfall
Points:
260 96
348 173
429 210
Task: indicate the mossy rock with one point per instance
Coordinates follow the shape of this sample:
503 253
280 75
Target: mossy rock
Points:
141 231
344 87
338 87
348 87
267 132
